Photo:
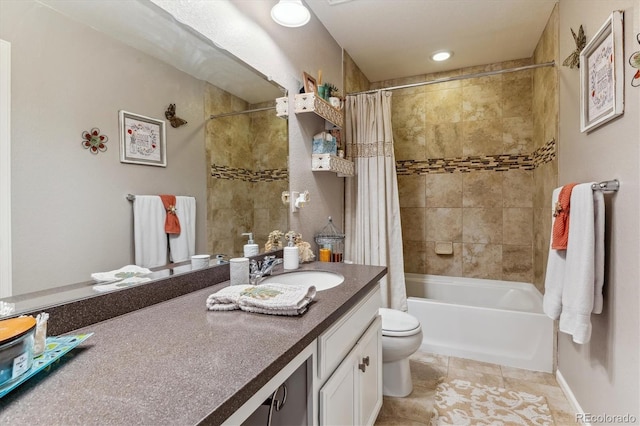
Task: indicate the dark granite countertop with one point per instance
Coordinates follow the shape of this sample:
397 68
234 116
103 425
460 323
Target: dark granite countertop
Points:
177 363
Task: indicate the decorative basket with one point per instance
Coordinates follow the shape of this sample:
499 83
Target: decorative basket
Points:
330 243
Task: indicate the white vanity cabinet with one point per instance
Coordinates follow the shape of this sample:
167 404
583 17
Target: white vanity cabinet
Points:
344 373
350 366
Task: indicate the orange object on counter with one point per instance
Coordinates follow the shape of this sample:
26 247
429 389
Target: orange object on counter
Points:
16 327
325 255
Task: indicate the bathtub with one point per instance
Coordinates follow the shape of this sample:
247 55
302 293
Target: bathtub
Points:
500 322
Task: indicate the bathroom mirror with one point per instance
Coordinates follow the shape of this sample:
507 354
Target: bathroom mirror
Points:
75 65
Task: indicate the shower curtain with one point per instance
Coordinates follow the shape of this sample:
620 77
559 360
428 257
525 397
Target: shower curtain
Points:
372 207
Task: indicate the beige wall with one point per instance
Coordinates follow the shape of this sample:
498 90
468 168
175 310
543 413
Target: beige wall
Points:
248 158
354 79
70 216
464 154
604 374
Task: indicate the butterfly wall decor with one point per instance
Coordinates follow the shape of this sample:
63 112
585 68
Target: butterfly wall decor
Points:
573 60
170 114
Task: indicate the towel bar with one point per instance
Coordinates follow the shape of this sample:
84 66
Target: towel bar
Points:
607 186
132 197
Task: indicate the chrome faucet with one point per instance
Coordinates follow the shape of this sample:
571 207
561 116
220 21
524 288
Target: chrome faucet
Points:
259 270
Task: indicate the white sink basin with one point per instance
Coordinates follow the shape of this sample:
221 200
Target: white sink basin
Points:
322 280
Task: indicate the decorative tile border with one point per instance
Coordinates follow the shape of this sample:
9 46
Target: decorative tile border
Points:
233 173
496 163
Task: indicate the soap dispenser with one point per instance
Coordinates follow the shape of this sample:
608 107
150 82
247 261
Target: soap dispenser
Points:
291 255
251 248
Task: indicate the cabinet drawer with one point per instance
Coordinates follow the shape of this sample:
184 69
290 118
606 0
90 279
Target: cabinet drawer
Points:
337 341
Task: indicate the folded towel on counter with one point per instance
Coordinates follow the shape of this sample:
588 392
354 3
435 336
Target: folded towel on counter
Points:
127 282
226 299
123 273
271 299
277 299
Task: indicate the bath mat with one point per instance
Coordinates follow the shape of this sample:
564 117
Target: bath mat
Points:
459 402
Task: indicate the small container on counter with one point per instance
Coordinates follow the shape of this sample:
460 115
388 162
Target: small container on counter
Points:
324 254
16 347
291 255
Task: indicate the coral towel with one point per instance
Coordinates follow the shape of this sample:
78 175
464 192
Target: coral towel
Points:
171 223
560 235
574 279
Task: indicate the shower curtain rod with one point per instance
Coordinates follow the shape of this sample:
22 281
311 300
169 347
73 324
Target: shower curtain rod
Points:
227 114
459 77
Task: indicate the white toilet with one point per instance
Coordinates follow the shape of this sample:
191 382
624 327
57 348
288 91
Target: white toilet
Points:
401 337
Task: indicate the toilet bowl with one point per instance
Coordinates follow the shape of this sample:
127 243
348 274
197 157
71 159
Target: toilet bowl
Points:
401 337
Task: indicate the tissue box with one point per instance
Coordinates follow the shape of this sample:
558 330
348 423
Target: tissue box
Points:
324 143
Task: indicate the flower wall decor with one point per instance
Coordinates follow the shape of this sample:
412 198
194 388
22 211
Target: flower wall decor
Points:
94 141
634 61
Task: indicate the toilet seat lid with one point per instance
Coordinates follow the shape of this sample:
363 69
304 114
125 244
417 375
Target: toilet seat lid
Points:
397 323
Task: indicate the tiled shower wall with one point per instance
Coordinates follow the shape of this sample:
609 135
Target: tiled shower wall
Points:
247 155
545 127
465 154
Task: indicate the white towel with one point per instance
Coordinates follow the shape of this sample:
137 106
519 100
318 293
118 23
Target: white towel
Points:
226 299
277 299
150 239
552 301
125 272
183 245
127 282
576 277
271 299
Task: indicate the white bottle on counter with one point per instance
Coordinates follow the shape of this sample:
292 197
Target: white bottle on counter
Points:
291 256
250 249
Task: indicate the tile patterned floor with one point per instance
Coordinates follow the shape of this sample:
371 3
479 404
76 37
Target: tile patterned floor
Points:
427 370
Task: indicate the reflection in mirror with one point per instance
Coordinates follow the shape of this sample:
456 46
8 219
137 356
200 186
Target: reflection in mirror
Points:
74 65
248 173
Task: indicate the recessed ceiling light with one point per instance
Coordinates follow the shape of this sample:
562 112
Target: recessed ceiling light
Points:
441 55
290 13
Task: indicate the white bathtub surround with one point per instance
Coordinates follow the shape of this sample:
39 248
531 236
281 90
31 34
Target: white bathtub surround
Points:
501 322
573 284
372 206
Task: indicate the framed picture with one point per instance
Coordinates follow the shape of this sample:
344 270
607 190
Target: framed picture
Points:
602 75
310 85
142 140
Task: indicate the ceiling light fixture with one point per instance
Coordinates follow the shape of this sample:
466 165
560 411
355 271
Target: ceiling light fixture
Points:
441 55
290 13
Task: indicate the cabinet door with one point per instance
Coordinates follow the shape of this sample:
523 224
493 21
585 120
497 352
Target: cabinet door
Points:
370 380
339 395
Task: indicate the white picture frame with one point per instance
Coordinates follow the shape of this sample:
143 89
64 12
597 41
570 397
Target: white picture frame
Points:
142 140
602 75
